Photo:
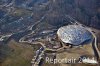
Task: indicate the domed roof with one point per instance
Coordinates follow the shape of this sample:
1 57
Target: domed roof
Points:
74 34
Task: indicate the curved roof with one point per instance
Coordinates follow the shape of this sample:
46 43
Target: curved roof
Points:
74 34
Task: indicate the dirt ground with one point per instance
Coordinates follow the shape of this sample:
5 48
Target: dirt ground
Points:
97 33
